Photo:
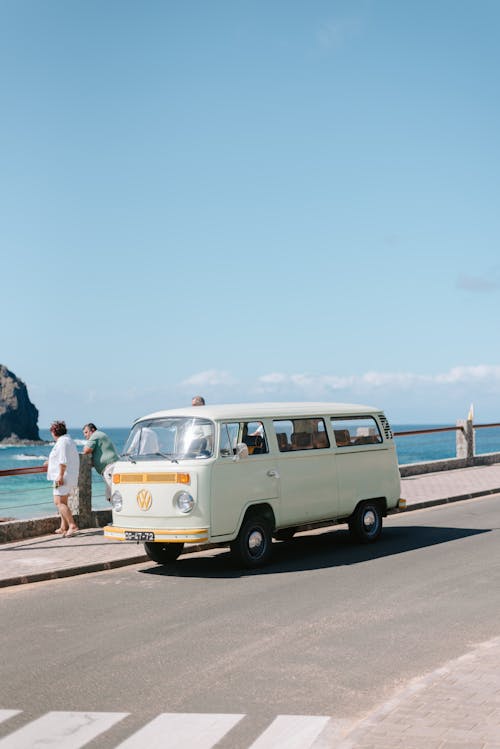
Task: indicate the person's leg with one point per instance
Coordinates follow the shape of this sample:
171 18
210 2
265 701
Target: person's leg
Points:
107 475
64 524
65 513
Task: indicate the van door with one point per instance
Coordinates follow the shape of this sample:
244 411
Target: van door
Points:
239 480
307 467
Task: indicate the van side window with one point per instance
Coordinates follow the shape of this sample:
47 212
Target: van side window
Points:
356 430
249 433
228 439
301 434
254 437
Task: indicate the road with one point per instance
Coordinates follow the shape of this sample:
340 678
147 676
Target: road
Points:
329 629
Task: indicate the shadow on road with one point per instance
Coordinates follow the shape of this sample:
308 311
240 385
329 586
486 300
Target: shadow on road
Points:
310 552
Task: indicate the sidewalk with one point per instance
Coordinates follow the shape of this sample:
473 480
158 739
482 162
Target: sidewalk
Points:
50 557
454 707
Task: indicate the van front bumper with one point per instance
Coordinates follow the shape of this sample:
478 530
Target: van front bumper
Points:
179 535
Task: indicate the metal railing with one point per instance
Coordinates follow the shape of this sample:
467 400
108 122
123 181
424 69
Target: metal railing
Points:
22 471
465 456
427 431
84 488
445 429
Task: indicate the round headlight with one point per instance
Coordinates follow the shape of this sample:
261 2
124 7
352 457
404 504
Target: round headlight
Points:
184 502
116 501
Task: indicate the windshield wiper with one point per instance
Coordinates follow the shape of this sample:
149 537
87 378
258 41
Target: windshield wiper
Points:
168 456
128 456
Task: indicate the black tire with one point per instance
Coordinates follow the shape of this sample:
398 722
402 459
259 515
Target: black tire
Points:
163 553
285 534
365 525
252 547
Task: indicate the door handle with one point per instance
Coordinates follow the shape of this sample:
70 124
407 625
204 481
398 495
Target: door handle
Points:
272 473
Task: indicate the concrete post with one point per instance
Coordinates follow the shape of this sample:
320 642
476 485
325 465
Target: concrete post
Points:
85 492
466 446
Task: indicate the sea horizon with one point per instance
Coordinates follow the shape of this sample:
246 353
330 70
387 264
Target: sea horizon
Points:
30 496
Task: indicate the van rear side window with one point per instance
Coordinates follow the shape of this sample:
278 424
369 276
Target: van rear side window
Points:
356 430
301 434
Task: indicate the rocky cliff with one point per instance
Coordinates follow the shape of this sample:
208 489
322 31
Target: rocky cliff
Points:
18 415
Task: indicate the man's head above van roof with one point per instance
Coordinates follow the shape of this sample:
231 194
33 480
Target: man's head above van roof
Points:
256 411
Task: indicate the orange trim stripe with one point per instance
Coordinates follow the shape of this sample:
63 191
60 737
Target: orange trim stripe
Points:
151 478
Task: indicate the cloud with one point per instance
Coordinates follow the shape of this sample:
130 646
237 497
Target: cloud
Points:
274 378
376 380
480 373
405 393
275 382
210 378
478 284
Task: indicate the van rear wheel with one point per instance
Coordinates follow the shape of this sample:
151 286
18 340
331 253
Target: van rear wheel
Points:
365 525
252 547
163 553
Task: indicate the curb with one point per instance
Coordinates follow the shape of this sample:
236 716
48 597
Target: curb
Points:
420 505
37 577
138 559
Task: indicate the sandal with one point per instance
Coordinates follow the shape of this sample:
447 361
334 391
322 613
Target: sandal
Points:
71 532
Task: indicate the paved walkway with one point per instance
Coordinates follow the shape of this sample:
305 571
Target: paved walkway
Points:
455 707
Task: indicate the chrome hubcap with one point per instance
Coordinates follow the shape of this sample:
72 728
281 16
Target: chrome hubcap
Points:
256 543
255 540
369 519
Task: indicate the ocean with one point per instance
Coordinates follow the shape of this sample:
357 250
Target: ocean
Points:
23 497
30 496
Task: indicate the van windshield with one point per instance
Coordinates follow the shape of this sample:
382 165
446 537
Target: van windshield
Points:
176 438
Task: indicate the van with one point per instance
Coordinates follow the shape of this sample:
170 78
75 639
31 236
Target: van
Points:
242 474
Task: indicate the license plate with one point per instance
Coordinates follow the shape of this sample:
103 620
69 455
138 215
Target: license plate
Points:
139 536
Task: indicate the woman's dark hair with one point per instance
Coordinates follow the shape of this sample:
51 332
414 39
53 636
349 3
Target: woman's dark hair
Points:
58 428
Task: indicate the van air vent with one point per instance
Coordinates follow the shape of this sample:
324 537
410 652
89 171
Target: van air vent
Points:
386 427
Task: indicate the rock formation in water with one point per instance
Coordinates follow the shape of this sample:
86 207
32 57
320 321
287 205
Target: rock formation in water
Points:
18 415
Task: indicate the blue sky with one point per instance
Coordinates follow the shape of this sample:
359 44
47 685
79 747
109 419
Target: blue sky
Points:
267 200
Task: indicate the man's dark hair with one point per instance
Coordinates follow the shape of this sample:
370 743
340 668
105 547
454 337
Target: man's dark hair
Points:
91 426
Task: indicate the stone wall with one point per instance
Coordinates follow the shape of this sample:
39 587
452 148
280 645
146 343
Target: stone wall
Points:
14 530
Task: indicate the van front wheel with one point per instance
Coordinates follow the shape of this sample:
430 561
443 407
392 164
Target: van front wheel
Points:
365 525
163 553
252 547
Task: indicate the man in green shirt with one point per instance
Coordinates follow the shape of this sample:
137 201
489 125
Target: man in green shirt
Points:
103 453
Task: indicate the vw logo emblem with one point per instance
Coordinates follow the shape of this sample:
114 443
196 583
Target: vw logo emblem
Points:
144 499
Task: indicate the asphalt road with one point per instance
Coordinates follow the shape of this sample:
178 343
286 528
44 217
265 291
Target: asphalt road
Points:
328 629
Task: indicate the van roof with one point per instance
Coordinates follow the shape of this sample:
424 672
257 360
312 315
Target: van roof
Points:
256 411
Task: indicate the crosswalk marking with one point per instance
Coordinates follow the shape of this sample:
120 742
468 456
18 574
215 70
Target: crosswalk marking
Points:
72 730
61 730
291 732
181 730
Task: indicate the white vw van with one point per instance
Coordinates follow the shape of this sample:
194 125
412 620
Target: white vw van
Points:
241 474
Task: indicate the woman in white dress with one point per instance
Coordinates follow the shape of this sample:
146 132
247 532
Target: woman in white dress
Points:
62 469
